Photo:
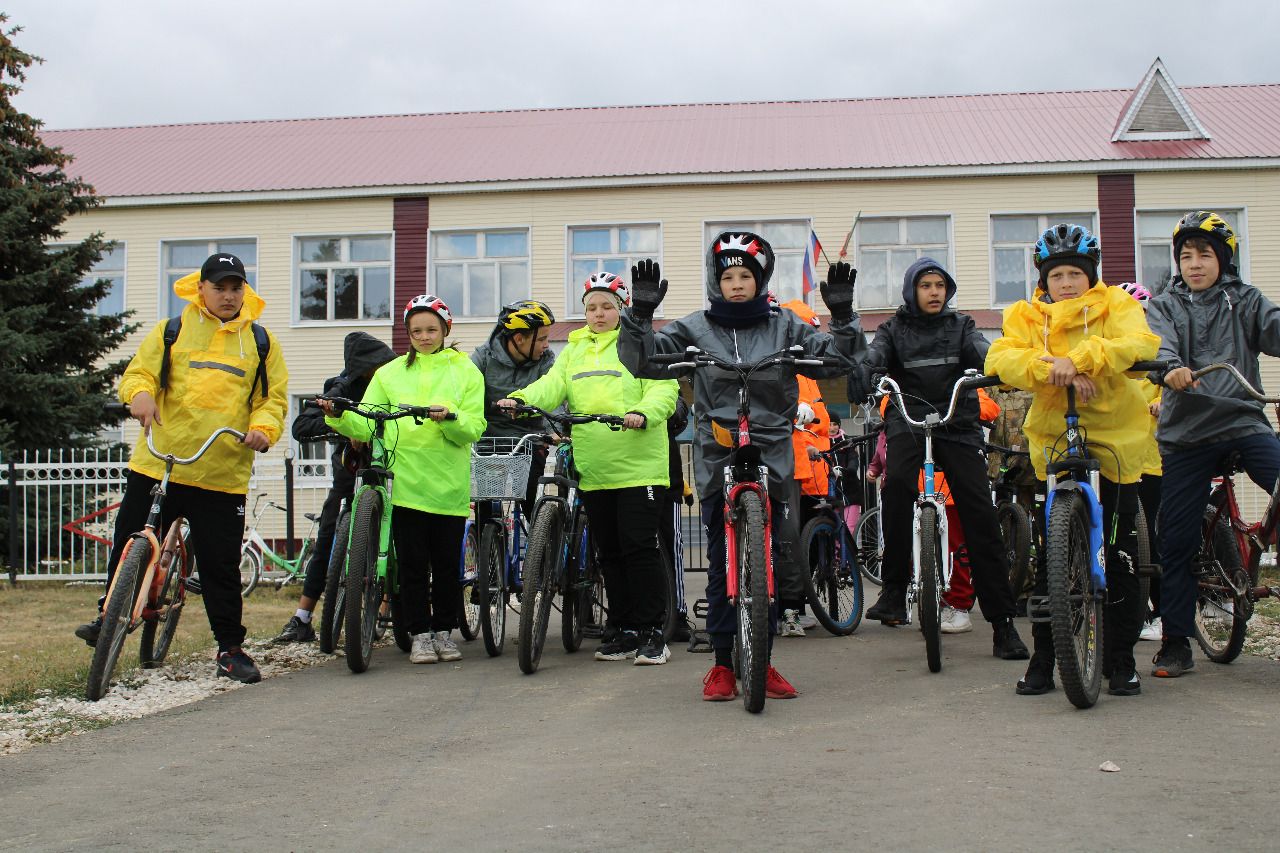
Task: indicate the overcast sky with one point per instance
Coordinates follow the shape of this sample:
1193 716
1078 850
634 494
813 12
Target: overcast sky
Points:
158 61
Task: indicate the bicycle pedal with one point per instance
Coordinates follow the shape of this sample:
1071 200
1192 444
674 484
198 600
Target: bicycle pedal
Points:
1038 608
193 585
699 642
701 608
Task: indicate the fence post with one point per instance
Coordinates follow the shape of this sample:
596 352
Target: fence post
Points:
13 523
288 503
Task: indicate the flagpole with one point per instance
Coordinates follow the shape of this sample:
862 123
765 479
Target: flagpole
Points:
844 249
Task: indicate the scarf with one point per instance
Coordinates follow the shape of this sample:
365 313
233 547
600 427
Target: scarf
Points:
739 315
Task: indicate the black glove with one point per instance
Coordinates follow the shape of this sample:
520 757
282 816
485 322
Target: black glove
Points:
837 291
647 289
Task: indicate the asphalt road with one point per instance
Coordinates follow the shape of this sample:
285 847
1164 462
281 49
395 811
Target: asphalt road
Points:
877 753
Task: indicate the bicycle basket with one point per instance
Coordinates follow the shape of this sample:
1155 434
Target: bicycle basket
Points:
500 468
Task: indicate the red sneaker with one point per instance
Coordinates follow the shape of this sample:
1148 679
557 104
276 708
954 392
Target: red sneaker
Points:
777 687
719 685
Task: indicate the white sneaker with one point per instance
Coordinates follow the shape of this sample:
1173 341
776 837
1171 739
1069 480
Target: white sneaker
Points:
446 649
789 625
955 621
807 621
424 650
1151 631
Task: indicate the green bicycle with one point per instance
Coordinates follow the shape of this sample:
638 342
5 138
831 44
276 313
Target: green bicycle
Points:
371 563
256 556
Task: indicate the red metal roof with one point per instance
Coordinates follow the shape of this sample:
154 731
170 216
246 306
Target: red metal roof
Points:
630 142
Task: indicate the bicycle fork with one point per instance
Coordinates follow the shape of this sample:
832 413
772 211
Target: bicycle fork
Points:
731 543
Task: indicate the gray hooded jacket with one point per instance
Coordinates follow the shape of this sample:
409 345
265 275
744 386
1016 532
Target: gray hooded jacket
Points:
774 393
501 377
1231 321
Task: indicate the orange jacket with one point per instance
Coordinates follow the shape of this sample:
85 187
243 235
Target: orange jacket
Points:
812 474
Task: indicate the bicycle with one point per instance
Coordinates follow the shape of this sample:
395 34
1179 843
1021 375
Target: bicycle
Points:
149 588
833 583
930 556
1075 560
333 603
370 564
748 526
1018 531
499 473
868 536
255 553
1227 566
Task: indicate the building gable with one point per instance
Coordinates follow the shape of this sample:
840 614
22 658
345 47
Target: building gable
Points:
1157 110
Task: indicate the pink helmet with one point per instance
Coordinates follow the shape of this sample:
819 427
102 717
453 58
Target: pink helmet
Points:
427 302
610 283
1136 290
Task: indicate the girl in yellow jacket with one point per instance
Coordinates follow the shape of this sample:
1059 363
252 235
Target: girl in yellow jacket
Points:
622 473
1077 331
432 465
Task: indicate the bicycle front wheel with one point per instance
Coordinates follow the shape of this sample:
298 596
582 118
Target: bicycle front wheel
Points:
753 599
491 589
116 617
364 591
833 583
870 545
575 589
335 586
541 568
929 602
469 599
250 570
1221 615
1075 603
1015 533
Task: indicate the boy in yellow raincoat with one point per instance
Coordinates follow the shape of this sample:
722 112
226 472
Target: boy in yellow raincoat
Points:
1077 331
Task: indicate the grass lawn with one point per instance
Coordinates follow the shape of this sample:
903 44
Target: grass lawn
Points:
38 650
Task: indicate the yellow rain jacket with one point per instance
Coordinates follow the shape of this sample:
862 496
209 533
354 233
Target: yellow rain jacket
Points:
431 460
1151 393
212 367
1103 332
589 375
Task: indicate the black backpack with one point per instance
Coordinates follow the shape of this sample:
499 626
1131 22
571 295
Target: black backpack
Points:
173 327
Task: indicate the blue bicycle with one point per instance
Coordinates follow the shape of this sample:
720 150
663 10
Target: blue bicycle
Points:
499 471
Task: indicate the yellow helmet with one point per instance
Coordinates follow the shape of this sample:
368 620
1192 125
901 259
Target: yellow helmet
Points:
525 316
1204 223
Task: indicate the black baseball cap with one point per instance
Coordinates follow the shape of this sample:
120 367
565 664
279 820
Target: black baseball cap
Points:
220 266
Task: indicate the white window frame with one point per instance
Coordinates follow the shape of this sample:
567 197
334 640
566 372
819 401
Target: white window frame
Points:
858 246
295 287
295 409
120 246
1044 221
460 314
1242 243
253 271
720 224
573 287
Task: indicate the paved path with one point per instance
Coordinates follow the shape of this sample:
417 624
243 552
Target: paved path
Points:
876 753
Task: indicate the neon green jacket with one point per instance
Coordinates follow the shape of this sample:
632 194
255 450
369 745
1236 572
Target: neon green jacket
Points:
432 460
212 367
589 375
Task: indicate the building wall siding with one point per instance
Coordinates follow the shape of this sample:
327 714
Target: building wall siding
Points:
1115 228
411 223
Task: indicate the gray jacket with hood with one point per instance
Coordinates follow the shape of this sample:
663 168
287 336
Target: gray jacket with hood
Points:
503 376
1231 321
774 392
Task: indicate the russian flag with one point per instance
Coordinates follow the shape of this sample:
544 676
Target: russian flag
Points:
810 263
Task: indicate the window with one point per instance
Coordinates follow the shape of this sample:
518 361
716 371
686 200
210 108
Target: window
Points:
789 239
183 257
344 278
110 267
309 451
1013 240
886 247
477 272
1155 243
607 248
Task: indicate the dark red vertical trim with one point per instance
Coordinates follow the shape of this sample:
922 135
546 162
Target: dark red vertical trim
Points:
410 223
1115 228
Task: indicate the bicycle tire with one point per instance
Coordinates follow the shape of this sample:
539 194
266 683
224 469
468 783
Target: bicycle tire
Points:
335 588
364 592
541 567
870 545
833 582
468 604
575 586
1217 562
492 589
670 607
753 600
1015 533
157 635
116 617
929 602
1075 607
1142 560
250 570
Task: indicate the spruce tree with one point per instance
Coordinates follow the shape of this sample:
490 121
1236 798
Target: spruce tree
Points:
54 351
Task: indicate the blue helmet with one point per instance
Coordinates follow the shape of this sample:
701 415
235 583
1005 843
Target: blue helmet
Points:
1069 244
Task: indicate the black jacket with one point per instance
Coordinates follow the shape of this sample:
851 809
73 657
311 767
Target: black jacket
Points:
362 354
925 355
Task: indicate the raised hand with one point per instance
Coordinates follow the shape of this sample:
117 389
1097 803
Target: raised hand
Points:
837 290
648 287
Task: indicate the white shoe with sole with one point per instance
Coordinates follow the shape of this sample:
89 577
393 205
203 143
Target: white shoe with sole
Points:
1151 631
955 621
423 650
446 648
789 625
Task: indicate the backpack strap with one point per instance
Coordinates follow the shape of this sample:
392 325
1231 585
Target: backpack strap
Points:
172 328
263 343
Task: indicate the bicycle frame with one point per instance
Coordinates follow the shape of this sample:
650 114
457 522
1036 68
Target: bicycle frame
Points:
1085 475
254 540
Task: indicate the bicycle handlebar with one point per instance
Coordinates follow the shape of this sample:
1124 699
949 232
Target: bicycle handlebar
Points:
693 357
342 404
1005 451
571 418
972 379
1238 377
123 410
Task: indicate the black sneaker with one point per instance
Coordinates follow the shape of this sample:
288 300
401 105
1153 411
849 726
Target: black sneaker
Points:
90 630
1124 683
1038 679
1005 642
623 647
680 633
1173 659
891 607
234 663
296 631
652 651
